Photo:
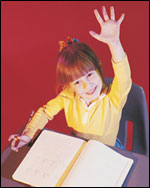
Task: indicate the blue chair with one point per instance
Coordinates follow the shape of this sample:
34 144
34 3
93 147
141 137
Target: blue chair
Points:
135 110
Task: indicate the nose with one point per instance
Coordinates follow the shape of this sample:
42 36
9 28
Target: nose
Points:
84 84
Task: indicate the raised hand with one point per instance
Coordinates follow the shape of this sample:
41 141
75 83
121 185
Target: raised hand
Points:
18 141
110 28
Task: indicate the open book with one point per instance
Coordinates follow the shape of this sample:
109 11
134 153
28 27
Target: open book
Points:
58 160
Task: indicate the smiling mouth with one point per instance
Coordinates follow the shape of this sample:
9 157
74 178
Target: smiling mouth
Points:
92 91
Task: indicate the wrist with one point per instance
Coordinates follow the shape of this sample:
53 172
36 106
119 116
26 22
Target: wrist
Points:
114 44
117 51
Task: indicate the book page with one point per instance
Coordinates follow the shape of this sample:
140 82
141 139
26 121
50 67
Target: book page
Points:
98 165
48 159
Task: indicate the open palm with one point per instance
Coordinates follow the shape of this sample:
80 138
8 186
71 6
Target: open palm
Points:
110 28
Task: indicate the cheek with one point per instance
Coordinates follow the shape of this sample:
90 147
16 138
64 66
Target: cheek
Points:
98 81
77 90
80 92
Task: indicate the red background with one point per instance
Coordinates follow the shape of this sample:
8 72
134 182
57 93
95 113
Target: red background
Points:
30 34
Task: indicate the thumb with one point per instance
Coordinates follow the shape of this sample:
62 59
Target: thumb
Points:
93 34
96 36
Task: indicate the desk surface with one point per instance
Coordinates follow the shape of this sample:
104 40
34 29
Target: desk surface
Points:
137 177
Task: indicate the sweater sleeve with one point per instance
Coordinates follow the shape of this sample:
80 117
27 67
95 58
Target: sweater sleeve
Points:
121 84
43 114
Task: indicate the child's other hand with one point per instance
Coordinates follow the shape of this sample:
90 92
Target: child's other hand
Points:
110 28
18 141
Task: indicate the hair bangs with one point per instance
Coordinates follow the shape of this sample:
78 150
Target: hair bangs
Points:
70 69
77 70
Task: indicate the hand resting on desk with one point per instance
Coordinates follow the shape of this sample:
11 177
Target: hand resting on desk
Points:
18 141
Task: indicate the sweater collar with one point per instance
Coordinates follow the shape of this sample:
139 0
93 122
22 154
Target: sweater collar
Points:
93 103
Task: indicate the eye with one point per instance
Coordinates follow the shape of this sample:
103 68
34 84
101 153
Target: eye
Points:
90 74
77 82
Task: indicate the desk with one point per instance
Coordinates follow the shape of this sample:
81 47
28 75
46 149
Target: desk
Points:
137 177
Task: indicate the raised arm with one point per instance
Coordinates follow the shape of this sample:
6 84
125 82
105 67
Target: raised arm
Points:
110 33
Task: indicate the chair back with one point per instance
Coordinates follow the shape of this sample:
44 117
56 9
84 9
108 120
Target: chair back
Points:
135 110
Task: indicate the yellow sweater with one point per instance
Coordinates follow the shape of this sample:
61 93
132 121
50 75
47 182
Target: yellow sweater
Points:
98 121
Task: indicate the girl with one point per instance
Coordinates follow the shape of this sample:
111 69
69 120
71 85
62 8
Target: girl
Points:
92 108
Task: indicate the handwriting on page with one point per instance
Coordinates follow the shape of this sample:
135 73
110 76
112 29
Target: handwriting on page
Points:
42 169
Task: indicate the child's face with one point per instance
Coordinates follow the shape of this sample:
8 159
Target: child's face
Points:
88 87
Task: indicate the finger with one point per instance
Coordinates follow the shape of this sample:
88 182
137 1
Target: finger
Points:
121 18
112 13
106 18
15 149
12 137
98 17
13 143
16 144
95 35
